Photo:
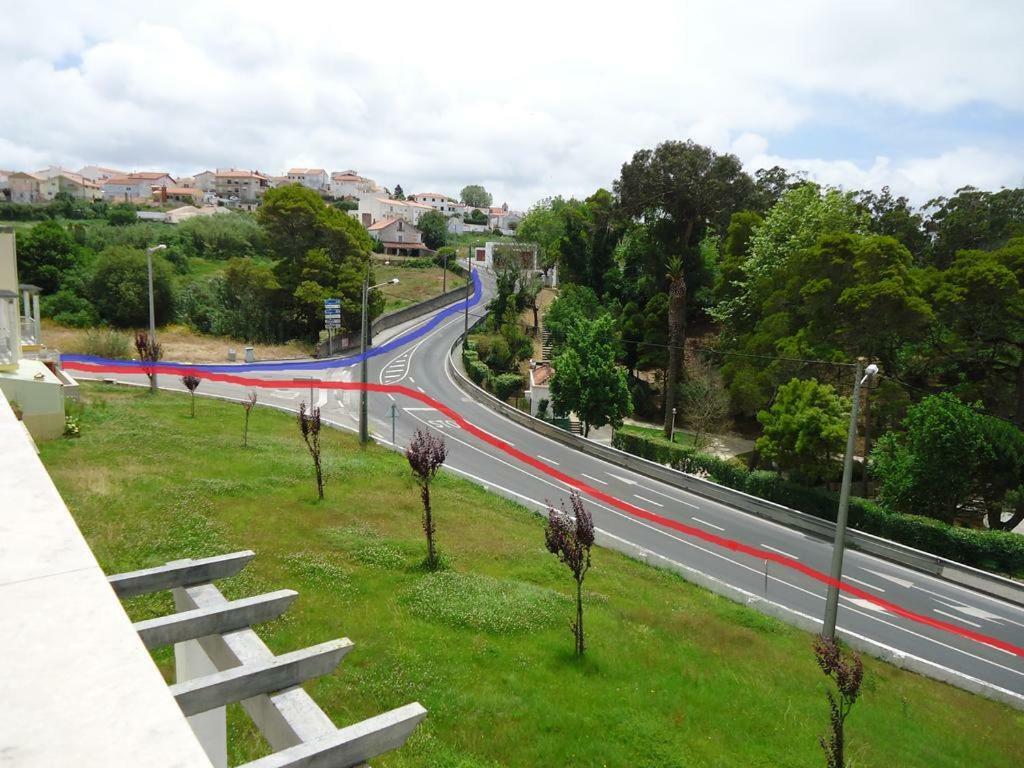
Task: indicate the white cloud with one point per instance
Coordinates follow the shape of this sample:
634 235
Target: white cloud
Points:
534 99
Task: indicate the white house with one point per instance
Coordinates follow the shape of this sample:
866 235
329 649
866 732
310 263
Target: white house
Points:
314 178
205 181
135 187
98 174
399 237
540 386
55 179
351 184
24 187
527 254
374 209
439 202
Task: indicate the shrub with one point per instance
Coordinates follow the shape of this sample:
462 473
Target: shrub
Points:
506 384
119 288
500 356
104 342
980 548
68 308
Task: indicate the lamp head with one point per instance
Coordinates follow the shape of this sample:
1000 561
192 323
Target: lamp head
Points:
393 281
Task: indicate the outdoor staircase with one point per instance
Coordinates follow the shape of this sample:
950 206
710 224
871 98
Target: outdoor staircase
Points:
545 343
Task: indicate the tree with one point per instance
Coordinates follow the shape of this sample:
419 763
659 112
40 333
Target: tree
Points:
676 338
425 455
246 292
248 404
121 215
735 251
399 193
972 219
587 379
804 429
951 463
544 226
321 253
191 384
45 253
574 302
476 195
150 353
434 226
847 672
476 216
119 288
893 216
705 403
309 428
570 537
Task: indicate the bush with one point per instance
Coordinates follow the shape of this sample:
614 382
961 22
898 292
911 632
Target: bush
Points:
104 342
119 288
121 215
506 384
500 356
68 308
980 548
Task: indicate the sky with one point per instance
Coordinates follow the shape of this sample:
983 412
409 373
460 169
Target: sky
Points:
531 99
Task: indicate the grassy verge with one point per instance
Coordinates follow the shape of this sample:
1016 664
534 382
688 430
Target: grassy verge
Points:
417 284
674 675
680 438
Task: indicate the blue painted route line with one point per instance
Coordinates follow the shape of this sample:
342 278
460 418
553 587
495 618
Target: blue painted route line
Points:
344 362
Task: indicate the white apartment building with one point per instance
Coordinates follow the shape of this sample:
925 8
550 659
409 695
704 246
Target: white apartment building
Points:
73 184
135 187
247 186
314 178
98 174
439 202
205 181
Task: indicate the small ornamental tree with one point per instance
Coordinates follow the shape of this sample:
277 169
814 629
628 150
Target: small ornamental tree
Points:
150 353
846 672
248 404
309 426
570 537
426 454
191 384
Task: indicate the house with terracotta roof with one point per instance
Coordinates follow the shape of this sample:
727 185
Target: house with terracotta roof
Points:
374 209
135 187
244 186
314 178
186 195
98 174
540 386
398 237
205 181
351 184
24 187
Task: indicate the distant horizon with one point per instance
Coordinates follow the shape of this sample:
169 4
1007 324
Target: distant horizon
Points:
922 97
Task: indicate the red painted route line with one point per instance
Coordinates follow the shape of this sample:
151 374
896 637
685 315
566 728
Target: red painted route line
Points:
600 495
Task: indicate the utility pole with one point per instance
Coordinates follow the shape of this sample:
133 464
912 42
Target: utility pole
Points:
469 283
394 415
152 313
444 274
364 428
860 377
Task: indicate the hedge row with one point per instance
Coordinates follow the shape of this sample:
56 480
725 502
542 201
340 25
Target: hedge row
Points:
1001 551
502 385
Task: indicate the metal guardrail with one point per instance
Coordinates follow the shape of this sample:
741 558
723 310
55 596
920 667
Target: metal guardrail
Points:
958 573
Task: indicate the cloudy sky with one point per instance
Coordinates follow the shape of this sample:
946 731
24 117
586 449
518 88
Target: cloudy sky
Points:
530 99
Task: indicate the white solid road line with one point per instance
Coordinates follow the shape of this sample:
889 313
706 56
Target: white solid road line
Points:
959 619
705 522
591 477
649 501
625 480
549 461
774 549
863 583
894 579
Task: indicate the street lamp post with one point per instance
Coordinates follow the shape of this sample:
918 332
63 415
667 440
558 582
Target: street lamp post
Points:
469 283
444 273
364 337
860 378
152 313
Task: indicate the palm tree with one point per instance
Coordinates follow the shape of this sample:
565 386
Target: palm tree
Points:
676 336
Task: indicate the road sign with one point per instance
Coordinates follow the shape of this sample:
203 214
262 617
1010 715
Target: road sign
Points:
332 303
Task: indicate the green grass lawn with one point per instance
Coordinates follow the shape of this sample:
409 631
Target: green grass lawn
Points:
680 438
674 675
416 284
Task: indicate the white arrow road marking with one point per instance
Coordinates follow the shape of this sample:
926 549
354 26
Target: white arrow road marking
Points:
953 616
895 580
861 603
625 480
970 610
863 583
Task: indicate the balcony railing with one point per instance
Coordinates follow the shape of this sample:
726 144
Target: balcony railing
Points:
28 331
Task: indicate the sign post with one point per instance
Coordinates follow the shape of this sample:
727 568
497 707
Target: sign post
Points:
332 321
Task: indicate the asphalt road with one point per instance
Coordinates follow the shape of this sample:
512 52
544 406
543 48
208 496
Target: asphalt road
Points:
421 366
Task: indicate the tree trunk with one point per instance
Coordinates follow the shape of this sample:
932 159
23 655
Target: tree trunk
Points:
192 398
580 648
1018 417
428 525
676 339
866 395
536 320
319 476
245 431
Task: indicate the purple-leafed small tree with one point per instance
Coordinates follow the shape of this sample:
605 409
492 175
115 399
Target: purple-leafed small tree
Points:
570 536
426 454
249 403
309 426
847 672
150 353
191 384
